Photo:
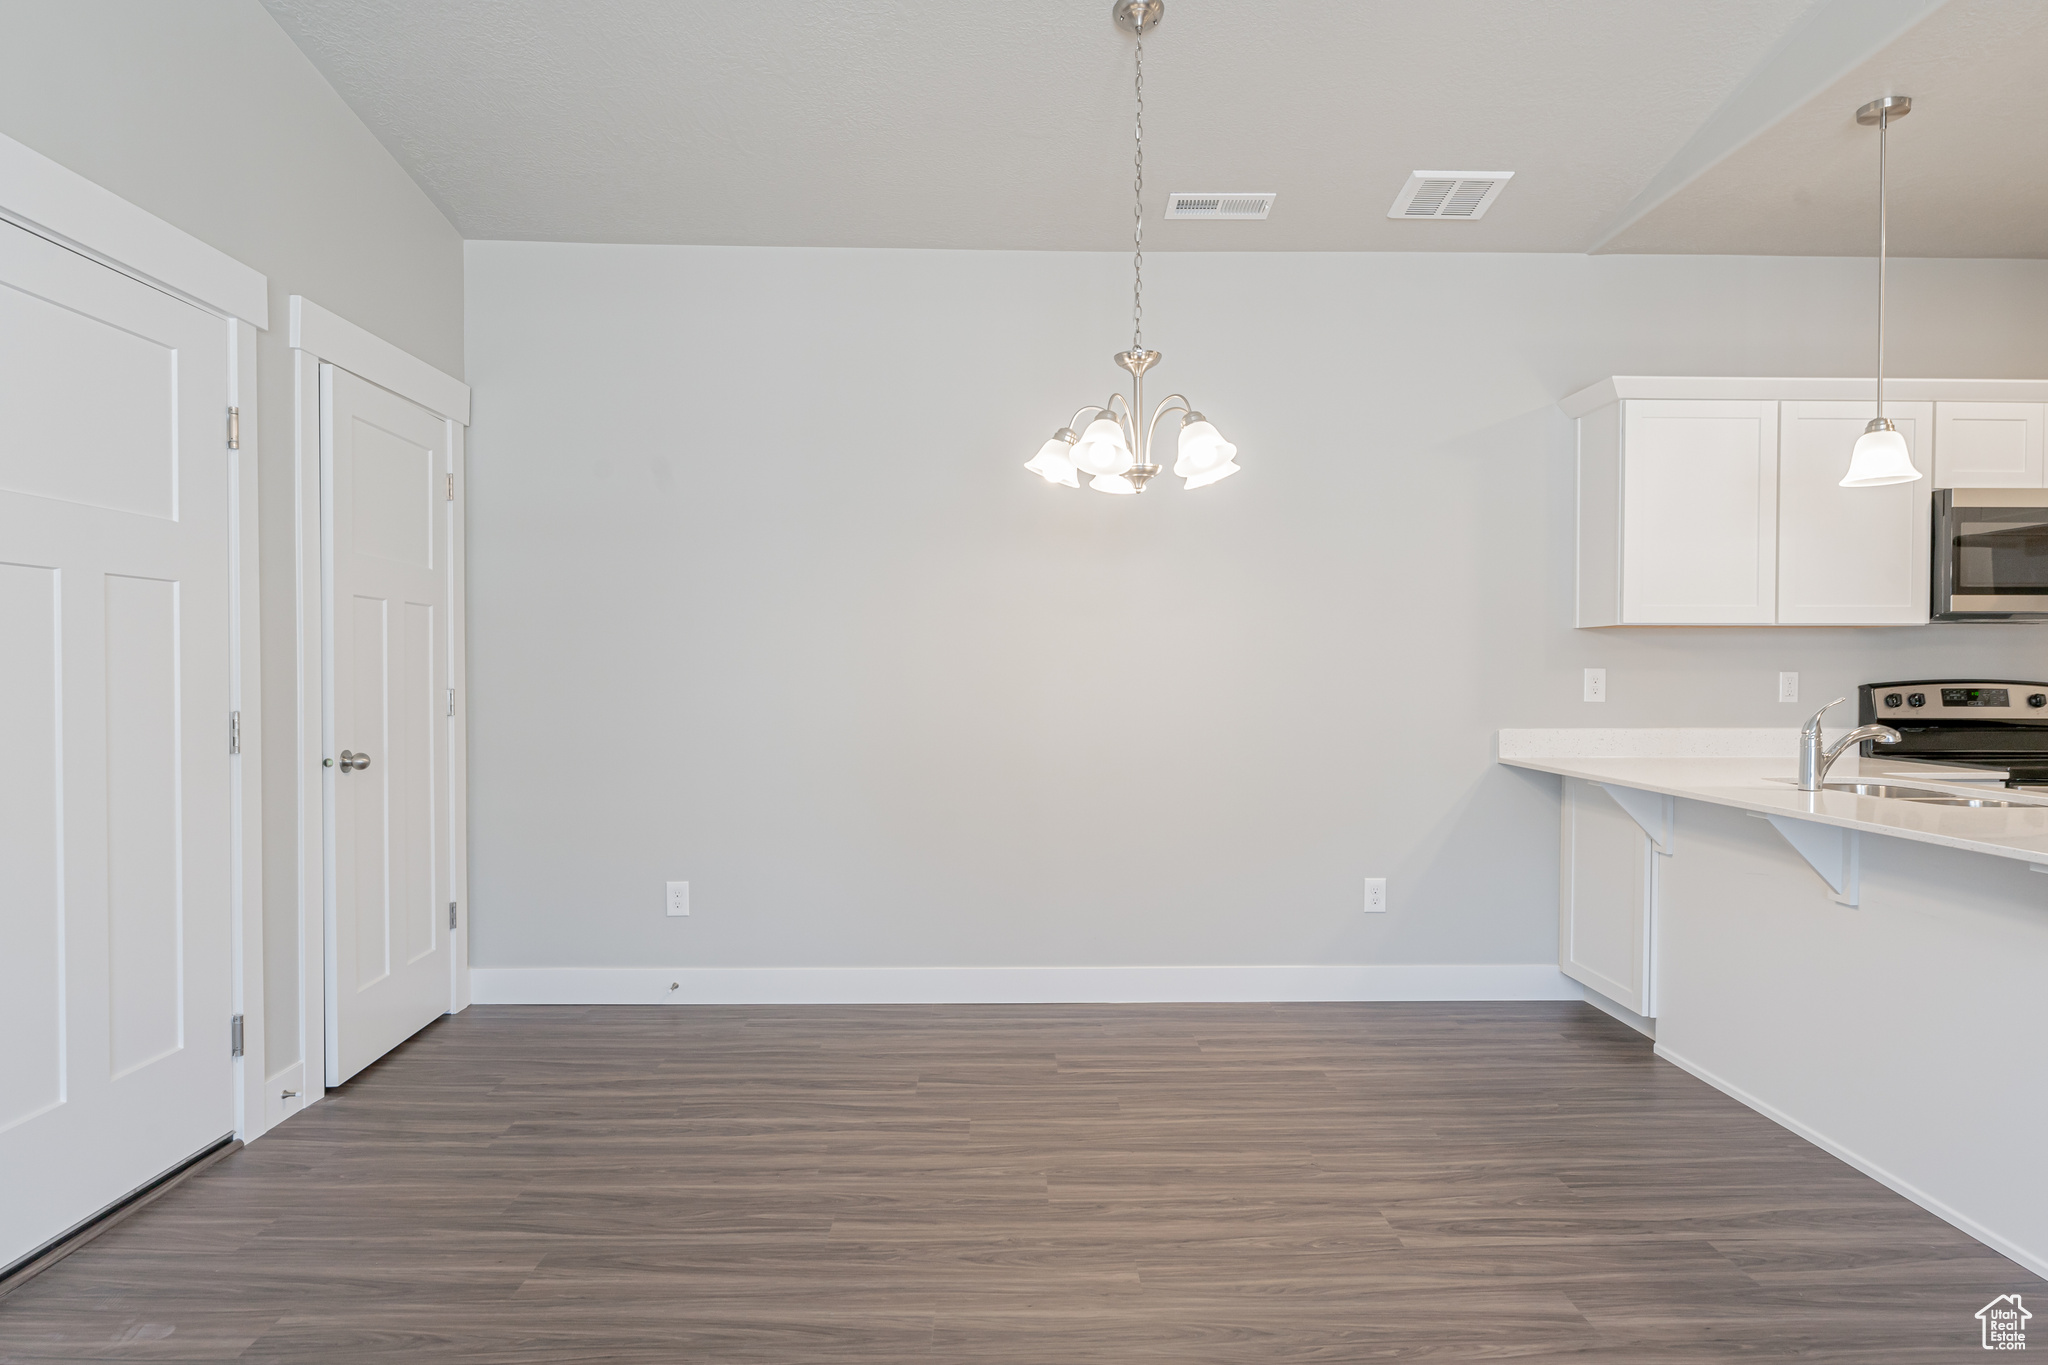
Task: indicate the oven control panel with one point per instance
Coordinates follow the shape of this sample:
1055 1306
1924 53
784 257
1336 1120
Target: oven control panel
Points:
1943 700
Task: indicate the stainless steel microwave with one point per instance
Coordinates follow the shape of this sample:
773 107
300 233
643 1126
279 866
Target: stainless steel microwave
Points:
1990 554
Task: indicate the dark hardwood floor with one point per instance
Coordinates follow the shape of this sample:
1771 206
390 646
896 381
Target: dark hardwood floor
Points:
1051 1185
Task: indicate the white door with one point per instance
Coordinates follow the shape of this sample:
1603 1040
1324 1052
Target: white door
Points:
115 870
1607 889
1988 445
1699 541
1850 556
384 504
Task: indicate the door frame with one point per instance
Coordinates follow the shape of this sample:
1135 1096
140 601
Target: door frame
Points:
318 336
56 203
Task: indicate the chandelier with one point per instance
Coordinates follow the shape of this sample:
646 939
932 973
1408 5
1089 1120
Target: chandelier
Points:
1109 447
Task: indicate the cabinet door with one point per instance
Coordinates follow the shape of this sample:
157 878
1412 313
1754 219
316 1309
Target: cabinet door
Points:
1699 512
1988 445
1606 895
1849 556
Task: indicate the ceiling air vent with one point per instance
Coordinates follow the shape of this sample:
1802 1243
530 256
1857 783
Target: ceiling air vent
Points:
1218 205
1449 194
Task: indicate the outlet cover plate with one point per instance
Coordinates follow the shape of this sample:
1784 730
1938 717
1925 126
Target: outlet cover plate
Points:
679 898
1375 895
1596 684
1788 687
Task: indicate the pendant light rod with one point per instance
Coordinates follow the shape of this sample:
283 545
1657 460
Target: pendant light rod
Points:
1881 456
1882 112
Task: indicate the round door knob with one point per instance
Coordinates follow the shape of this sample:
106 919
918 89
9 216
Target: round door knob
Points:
352 763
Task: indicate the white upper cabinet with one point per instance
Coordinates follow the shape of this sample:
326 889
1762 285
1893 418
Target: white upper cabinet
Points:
1718 501
1988 445
1850 556
1687 495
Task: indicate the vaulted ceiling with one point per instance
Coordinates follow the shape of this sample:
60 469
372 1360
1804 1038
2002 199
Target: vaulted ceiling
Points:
1632 125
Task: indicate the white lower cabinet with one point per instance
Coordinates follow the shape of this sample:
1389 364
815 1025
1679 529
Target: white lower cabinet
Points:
1607 898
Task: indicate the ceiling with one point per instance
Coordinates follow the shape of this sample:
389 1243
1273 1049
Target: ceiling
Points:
1632 125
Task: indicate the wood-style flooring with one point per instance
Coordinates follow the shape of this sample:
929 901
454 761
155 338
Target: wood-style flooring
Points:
1044 1185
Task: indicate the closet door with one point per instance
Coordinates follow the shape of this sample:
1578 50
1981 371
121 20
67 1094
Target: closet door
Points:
115 871
1699 489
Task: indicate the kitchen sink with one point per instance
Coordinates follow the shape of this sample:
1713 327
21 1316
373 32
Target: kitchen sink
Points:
1988 803
1883 789
1924 796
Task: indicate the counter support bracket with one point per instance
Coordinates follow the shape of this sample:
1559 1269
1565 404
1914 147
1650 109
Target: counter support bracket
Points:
1833 852
1648 809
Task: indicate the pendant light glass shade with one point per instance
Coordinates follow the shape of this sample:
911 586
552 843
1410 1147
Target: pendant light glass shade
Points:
1202 448
1112 483
1880 457
1103 449
1054 461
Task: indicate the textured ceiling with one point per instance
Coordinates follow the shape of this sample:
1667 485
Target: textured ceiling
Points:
886 123
1966 166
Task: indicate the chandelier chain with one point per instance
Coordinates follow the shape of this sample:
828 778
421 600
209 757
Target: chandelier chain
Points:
1138 206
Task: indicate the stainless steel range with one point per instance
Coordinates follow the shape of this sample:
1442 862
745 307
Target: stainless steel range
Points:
1967 721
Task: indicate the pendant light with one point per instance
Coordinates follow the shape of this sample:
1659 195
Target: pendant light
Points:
1881 456
1110 447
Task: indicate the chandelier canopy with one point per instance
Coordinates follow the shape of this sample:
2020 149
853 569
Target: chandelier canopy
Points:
1105 442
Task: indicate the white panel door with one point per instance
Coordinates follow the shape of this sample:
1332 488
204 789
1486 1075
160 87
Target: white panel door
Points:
1607 887
1699 487
1988 445
1850 556
115 871
384 466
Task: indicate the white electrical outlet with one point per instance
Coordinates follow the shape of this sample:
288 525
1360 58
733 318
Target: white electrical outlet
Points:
1788 687
679 898
1596 684
1375 895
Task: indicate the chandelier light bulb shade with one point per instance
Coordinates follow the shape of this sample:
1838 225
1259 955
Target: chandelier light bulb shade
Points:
1115 447
1203 480
1054 461
1103 450
1202 448
1881 455
1880 458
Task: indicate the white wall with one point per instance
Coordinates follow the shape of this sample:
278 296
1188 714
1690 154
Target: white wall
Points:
205 114
761 599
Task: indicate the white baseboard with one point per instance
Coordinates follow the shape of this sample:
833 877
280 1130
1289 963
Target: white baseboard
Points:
1012 985
2004 1246
1641 1024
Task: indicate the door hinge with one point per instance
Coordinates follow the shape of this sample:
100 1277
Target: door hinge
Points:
235 1036
451 701
234 428
451 488
451 914
234 732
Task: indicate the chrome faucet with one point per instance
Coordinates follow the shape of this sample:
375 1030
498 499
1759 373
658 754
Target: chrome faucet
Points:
1815 761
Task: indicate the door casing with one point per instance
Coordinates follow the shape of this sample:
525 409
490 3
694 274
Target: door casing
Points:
316 336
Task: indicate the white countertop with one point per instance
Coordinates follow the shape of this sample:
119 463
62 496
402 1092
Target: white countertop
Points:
1696 765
